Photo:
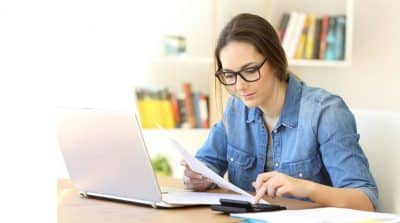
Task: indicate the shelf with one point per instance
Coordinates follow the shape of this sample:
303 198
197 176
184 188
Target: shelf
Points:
319 63
185 60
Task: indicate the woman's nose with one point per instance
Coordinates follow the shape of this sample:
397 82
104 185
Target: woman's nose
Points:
240 83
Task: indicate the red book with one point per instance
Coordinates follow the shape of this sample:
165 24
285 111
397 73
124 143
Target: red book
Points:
324 33
189 107
175 109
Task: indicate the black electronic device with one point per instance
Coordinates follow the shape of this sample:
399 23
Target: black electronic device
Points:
236 206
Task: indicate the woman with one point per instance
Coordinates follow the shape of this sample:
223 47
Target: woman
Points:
278 136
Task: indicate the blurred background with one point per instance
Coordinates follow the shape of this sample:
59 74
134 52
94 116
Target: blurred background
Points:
124 54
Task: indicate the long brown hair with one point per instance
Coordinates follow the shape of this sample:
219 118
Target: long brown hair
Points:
261 34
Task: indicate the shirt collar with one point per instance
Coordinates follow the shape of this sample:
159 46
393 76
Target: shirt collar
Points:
290 111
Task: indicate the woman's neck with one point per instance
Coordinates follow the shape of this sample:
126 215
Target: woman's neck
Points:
273 108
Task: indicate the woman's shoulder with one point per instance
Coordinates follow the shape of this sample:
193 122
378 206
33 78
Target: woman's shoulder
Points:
319 97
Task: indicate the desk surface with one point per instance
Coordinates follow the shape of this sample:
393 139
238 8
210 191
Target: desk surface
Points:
73 209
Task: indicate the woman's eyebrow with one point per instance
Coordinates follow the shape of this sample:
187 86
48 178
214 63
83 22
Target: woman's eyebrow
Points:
242 67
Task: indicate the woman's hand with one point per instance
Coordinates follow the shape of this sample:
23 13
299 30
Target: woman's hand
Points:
278 184
194 181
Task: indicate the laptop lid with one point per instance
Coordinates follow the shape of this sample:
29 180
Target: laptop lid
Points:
105 154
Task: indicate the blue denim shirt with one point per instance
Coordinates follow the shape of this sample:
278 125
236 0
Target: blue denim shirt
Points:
315 139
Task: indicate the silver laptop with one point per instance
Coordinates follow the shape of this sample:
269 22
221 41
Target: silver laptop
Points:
106 156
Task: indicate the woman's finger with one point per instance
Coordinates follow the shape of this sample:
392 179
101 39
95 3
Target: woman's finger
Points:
260 191
189 173
261 178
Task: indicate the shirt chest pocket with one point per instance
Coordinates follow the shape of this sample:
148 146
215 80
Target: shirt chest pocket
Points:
306 169
241 167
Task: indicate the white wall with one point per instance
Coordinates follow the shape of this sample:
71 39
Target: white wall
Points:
62 53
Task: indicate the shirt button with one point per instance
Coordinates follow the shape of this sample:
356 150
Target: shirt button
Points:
300 174
231 159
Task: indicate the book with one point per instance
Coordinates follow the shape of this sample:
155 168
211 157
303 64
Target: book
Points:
295 36
317 38
323 35
175 109
155 109
189 106
283 25
163 108
166 110
299 54
204 111
340 34
149 107
196 104
289 32
309 45
331 40
139 93
182 111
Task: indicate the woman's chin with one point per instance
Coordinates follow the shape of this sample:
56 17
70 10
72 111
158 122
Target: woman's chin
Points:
250 103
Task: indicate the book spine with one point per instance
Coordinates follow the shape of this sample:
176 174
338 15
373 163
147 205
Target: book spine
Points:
289 32
156 111
204 111
324 33
175 109
140 106
283 25
167 110
309 48
317 38
189 107
182 111
196 103
340 37
331 40
302 40
299 24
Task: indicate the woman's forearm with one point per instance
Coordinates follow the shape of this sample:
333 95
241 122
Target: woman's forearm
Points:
339 197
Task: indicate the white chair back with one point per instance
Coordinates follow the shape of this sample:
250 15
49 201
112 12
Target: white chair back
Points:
380 140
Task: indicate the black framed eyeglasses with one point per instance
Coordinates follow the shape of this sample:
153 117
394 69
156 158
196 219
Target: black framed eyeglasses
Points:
249 74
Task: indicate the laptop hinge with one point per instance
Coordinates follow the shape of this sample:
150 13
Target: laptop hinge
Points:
83 194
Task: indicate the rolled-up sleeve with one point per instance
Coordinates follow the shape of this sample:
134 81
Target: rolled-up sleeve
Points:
213 151
341 152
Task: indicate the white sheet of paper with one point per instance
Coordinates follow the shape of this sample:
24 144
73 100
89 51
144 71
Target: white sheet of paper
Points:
201 197
320 215
199 167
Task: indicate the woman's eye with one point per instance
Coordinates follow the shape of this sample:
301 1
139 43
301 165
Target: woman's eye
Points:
250 70
228 75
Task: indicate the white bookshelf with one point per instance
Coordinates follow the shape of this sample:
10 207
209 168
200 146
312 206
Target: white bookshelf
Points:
328 7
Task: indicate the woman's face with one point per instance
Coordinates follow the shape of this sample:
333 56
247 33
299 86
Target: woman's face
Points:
236 56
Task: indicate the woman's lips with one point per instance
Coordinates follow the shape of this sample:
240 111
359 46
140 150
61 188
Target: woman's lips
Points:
247 96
